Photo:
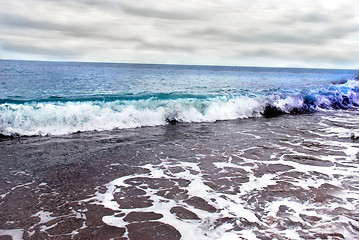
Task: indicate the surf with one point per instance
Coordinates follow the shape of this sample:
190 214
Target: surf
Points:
58 116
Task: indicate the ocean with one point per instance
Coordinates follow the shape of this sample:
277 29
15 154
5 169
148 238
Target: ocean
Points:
146 151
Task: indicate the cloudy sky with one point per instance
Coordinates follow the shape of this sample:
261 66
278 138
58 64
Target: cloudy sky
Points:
287 33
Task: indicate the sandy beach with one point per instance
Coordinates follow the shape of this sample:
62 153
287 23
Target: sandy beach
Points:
239 179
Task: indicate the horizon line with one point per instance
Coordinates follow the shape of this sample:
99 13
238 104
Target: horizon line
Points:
177 64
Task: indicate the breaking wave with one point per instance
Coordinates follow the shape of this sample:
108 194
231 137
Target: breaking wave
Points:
59 116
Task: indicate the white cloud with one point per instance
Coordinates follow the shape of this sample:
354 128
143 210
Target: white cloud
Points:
261 33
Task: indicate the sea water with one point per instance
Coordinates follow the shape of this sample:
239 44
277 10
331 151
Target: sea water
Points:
52 98
104 151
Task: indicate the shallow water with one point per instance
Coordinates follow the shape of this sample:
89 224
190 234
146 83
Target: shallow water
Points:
288 177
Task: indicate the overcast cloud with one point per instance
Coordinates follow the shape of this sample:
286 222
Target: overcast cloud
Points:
307 33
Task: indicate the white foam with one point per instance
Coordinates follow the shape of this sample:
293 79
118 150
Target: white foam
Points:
258 183
189 229
236 205
16 234
44 217
342 125
62 118
114 221
233 206
288 104
57 119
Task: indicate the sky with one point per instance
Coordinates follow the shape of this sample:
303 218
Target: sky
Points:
276 33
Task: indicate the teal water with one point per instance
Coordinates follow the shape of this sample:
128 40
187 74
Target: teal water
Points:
51 98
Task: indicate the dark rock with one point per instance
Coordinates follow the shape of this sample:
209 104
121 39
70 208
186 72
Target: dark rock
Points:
323 193
273 168
134 202
284 210
309 160
132 197
329 236
142 216
284 189
171 121
225 185
238 224
68 225
182 182
183 213
129 191
330 187
200 203
245 224
24 200
101 232
288 223
152 231
95 213
271 111
5 237
176 169
356 228
175 193
257 153
154 183
310 218
229 221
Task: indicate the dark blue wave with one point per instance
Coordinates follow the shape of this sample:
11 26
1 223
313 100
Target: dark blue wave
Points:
337 96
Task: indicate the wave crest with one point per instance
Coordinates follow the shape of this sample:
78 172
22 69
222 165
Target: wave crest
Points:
56 118
63 118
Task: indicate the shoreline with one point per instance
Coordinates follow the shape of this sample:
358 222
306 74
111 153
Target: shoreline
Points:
266 177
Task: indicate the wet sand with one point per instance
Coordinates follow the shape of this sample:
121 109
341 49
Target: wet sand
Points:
289 177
